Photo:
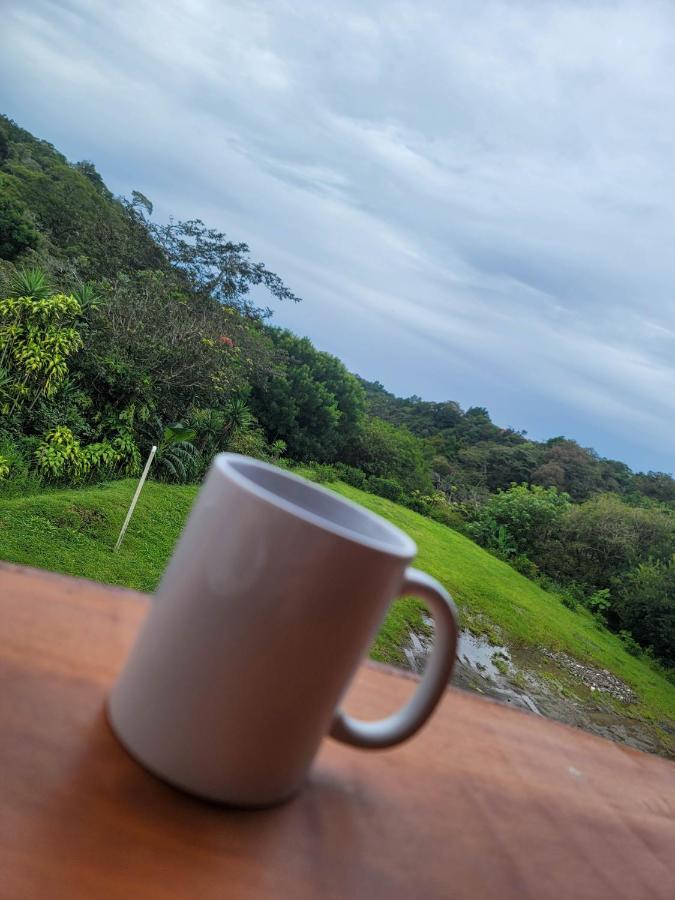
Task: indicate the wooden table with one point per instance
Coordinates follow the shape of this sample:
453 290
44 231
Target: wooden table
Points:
485 802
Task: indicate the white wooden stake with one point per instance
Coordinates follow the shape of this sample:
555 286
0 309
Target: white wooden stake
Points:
139 488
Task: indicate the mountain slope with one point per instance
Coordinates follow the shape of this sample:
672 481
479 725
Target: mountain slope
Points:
73 531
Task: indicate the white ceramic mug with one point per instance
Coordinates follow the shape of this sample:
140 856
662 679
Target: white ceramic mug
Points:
273 596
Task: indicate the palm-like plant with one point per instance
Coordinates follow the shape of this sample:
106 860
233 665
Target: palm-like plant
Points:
215 428
29 283
238 417
210 426
87 296
177 458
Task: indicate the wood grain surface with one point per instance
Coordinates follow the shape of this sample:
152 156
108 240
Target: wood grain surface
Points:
486 802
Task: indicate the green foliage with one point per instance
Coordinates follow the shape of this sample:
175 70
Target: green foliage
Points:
29 282
60 456
177 459
645 606
151 343
213 266
602 539
313 404
384 451
569 601
630 643
599 602
20 479
436 506
17 232
519 521
656 485
73 531
351 475
385 487
4 467
525 566
319 472
38 335
82 223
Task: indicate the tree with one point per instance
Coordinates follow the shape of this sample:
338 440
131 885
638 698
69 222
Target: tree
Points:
17 232
520 520
657 485
645 606
313 403
384 451
213 265
570 468
600 540
154 344
4 147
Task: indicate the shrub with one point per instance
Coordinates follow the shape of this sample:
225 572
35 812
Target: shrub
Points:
37 336
60 456
525 566
385 487
630 643
351 475
437 507
569 601
519 520
645 606
599 603
382 450
321 473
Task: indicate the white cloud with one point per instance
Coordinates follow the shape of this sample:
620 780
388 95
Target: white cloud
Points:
477 202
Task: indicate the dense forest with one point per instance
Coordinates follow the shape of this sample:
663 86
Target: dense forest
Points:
118 332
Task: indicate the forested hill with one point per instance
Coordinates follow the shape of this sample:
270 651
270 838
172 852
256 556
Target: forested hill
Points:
118 332
472 454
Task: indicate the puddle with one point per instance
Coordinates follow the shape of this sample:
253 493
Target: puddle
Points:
474 651
544 683
480 654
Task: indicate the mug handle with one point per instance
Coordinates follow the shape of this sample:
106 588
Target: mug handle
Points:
404 723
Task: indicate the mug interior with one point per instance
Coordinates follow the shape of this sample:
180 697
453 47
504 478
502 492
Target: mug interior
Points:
317 504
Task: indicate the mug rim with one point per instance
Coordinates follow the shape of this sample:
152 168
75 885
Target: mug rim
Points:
400 546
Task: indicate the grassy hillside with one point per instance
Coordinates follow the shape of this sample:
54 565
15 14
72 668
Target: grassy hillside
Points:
73 531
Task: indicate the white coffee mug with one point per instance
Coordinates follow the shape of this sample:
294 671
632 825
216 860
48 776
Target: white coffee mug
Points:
273 596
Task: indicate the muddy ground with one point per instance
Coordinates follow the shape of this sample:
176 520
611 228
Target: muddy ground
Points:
550 684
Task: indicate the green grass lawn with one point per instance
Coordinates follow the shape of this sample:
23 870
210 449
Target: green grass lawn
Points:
74 531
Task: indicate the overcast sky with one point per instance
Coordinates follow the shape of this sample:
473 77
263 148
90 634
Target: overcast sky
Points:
475 201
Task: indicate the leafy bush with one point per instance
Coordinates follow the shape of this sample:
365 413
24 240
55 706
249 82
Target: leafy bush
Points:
630 643
394 454
177 459
597 542
321 473
599 602
37 337
436 506
385 487
525 566
645 606
520 520
569 600
60 456
351 475
19 480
